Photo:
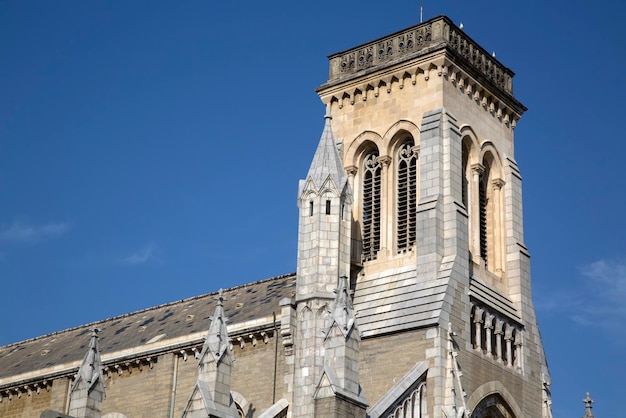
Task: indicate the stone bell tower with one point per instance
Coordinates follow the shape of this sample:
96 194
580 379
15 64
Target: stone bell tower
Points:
432 214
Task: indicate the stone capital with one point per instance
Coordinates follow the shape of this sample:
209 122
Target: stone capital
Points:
489 320
478 315
385 160
508 333
351 170
499 325
498 184
478 168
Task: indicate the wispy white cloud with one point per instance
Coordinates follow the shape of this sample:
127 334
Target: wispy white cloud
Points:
147 253
596 298
605 294
21 231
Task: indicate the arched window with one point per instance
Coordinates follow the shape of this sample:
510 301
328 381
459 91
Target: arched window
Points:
423 401
370 214
406 198
493 406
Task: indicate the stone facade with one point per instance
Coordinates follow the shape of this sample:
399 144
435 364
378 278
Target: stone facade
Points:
412 292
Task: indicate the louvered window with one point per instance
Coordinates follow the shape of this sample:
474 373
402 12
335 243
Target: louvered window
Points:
482 196
406 216
371 207
464 175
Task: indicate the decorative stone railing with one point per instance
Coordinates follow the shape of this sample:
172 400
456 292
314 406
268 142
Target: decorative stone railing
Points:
433 34
496 336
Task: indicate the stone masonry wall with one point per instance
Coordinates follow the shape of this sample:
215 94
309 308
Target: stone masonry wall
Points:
385 360
26 405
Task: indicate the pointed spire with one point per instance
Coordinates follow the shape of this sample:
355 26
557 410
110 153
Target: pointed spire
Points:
88 389
339 382
588 401
342 312
216 343
211 394
327 161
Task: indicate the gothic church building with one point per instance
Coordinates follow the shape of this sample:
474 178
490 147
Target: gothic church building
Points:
412 292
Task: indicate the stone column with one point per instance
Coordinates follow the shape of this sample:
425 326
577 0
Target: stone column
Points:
351 170
497 225
498 333
356 246
508 338
488 328
518 349
478 320
386 209
474 211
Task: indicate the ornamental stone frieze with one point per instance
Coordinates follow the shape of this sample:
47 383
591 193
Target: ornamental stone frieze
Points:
416 41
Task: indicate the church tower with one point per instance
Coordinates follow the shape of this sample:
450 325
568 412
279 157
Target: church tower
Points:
423 211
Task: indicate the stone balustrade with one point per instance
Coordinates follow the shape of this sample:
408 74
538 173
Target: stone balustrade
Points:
439 32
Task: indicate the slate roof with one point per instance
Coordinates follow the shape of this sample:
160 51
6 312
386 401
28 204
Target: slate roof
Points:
177 319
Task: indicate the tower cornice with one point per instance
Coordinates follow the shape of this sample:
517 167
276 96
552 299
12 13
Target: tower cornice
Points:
421 39
433 48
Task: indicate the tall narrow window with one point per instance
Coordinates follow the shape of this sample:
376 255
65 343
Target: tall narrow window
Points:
371 206
465 175
406 187
483 201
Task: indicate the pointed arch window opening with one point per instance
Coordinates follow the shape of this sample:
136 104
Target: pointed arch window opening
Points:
406 197
370 215
415 405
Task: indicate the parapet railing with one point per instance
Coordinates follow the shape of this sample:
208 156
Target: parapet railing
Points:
437 32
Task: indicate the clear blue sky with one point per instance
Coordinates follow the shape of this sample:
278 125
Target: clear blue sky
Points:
151 151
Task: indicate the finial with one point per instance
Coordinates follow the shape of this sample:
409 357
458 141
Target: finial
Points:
421 11
493 54
588 401
461 26
220 297
328 115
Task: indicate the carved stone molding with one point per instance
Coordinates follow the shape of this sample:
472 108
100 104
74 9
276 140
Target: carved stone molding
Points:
351 170
28 389
384 160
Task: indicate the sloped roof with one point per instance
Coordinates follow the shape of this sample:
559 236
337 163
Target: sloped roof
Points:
179 319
